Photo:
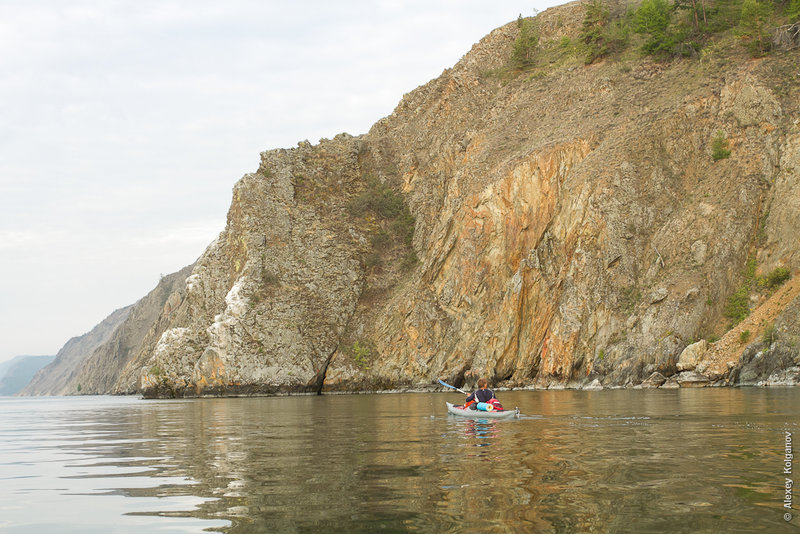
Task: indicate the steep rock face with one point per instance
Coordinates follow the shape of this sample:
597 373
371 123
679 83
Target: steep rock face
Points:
781 246
56 378
268 301
98 374
571 228
578 225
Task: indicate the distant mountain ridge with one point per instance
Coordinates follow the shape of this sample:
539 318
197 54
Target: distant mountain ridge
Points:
16 373
56 378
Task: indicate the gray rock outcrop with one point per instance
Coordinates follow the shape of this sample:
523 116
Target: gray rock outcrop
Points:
691 355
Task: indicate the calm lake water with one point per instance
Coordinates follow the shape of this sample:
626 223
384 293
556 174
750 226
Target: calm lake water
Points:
692 460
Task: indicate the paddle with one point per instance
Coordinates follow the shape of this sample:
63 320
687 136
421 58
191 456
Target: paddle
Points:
445 384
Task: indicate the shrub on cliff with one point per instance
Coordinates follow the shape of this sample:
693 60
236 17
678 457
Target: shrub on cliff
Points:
378 198
793 11
738 306
719 147
361 353
744 336
775 278
389 207
755 18
769 334
599 34
654 18
526 43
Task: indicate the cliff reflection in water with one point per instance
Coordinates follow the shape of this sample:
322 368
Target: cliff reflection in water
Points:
607 461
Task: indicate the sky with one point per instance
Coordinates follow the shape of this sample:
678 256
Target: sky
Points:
125 124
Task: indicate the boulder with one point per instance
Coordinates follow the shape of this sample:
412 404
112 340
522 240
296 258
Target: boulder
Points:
594 385
671 383
698 253
691 379
691 356
654 380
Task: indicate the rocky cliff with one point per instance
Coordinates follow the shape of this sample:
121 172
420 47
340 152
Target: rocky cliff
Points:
566 226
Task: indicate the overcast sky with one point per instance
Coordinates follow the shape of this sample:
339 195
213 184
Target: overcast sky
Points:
125 125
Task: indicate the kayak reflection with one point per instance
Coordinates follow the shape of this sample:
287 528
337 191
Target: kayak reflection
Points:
482 429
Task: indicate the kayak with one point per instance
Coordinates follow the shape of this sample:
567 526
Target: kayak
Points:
478 414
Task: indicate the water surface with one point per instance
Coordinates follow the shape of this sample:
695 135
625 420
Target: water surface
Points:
696 460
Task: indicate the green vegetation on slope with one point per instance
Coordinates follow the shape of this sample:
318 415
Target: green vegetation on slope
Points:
719 147
600 35
524 50
396 222
664 29
738 306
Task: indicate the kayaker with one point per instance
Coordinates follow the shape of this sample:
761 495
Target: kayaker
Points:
483 394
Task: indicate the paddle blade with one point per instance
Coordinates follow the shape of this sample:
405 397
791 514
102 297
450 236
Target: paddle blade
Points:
445 384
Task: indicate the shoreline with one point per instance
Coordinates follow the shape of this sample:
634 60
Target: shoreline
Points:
398 391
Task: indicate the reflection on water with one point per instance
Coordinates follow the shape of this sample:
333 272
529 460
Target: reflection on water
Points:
702 460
